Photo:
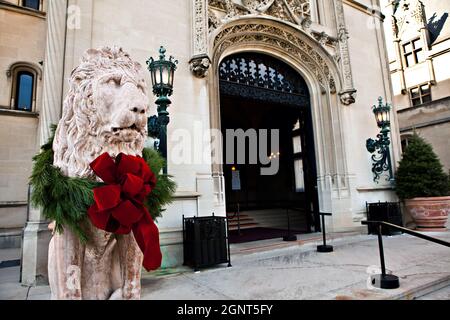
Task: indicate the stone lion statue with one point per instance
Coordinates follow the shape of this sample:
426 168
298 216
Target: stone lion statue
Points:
105 110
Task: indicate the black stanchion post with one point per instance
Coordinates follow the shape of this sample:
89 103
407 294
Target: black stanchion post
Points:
289 237
228 244
383 280
324 248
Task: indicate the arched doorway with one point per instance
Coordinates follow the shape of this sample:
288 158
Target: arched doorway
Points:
260 92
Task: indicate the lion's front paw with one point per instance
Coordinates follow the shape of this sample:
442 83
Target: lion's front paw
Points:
117 295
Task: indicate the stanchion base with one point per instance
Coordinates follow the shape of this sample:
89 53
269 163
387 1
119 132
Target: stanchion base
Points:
290 238
325 249
388 281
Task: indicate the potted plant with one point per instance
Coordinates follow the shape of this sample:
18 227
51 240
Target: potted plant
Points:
423 186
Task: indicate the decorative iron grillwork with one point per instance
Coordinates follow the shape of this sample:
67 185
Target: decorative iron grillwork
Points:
258 76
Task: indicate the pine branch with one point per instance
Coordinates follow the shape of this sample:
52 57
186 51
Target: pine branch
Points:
66 200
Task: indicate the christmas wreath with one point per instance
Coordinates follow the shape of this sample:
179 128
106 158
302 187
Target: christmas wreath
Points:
68 200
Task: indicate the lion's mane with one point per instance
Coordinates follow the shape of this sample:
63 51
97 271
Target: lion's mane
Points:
78 140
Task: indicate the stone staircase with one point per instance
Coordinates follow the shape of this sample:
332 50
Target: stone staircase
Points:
269 218
246 222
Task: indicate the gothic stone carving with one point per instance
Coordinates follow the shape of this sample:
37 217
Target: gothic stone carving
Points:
200 65
408 12
200 27
348 97
348 94
276 37
294 11
200 61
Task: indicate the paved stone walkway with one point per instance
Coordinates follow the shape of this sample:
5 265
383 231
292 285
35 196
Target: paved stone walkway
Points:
276 270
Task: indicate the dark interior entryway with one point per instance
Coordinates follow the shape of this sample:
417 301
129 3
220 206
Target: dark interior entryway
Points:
261 92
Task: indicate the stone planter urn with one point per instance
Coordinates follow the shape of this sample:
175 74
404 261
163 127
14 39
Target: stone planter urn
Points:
429 214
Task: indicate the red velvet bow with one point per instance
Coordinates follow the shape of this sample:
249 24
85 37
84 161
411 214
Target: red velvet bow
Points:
119 206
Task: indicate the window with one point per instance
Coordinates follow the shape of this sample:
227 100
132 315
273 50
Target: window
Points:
32 4
413 52
24 91
24 82
420 94
298 158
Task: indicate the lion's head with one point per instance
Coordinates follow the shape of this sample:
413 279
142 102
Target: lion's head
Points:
105 110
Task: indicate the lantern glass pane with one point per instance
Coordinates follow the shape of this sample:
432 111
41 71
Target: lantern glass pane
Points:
164 75
153 77
159 76
171 77
379 117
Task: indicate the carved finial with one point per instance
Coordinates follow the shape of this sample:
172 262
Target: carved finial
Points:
162 53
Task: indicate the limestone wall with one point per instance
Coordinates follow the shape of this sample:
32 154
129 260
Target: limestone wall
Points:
371 77
22 39
17 147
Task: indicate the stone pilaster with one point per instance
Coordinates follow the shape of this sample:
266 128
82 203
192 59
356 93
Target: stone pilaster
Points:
200 61
36 234
348 91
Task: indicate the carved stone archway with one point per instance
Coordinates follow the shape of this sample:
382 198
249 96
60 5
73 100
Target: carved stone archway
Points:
320 71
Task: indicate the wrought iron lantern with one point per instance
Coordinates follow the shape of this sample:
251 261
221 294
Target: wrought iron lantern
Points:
382 158
162 73
382 114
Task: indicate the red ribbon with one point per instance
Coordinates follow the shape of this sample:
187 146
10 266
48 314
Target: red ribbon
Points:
119 206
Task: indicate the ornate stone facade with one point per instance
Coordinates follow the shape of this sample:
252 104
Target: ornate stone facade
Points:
282 39
294 12
208 15
304 34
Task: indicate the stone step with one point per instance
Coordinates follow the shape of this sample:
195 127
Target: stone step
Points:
423 290
439 294
245 221
236 221
244 226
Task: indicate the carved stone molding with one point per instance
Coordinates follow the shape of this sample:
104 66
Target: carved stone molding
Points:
406 14
199 65
348 97
324 39
348 93
279 38
294 11
200 61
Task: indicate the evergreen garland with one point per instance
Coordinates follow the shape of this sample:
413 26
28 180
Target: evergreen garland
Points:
420 172
66 200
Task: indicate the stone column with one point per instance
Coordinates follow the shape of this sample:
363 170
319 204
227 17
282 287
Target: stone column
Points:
36 235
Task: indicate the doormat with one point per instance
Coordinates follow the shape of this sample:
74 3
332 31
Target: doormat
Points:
256 234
